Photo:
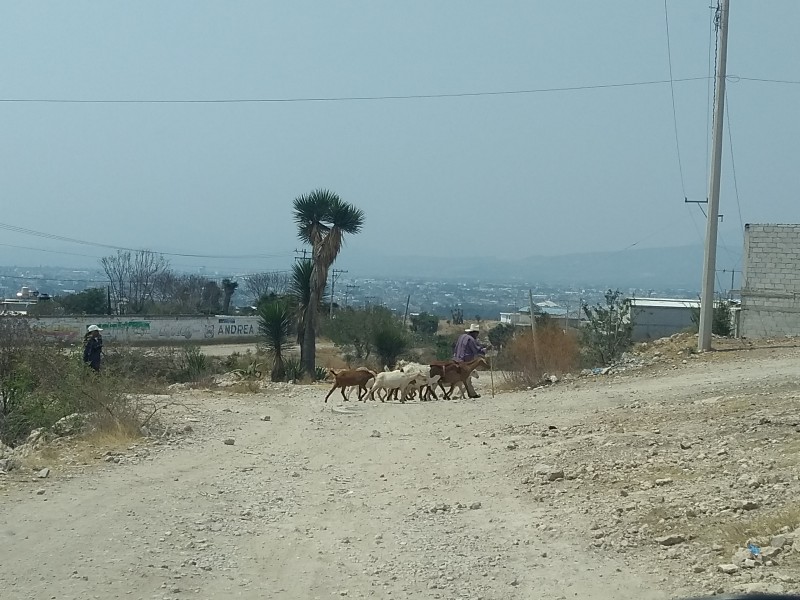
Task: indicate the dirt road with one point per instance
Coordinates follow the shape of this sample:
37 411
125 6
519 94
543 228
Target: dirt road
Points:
393 501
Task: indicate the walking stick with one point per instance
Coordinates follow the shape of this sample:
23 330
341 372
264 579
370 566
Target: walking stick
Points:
491 374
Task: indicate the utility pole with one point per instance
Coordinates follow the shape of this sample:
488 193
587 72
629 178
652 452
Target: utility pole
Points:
334 276
405 315
297 253
347 288
709 262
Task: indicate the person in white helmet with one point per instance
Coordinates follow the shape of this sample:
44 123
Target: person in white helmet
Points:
93 347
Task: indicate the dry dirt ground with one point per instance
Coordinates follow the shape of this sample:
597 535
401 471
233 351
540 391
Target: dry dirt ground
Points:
559 492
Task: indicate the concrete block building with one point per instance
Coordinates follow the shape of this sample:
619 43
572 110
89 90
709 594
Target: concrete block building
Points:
770 281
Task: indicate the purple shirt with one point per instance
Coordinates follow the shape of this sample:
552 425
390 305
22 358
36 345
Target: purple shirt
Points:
467 348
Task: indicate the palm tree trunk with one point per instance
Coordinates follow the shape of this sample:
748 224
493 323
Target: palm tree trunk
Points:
308 350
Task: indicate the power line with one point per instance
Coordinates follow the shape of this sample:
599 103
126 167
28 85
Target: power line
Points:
50 251
56 279
735 78
347 98
709 84
61 238
574 88
672 93
733 167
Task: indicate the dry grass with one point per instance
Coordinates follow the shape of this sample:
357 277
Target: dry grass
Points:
737 533
328 356
244 387
526 359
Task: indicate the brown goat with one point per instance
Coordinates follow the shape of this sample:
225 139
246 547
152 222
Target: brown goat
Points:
455 373
345 378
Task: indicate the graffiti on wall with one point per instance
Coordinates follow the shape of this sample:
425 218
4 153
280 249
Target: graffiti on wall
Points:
199 329
229 326
125 329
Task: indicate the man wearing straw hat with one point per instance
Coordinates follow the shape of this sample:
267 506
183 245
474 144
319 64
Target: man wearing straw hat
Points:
468 348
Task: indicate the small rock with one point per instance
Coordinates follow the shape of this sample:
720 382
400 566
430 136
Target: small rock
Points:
671 539
748 505
779 541
475 506
728 569
749 563
266 418
40 492
43 473
375 433
664 481
229 441
686 445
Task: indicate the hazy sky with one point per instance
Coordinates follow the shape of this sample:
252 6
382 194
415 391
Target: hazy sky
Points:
500 175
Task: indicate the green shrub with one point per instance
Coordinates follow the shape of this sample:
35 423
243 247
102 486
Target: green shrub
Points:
501 334
196 363
390 343
721 320
424 323
293 368
608 332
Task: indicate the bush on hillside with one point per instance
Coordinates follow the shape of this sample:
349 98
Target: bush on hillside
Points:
525 360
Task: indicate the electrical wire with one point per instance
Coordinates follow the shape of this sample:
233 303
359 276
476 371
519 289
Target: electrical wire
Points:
735 78
348 98
712 80
61 238
672 93
58 279
733 170
50 251
574 88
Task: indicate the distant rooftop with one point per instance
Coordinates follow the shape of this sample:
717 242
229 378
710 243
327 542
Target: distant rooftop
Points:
664 302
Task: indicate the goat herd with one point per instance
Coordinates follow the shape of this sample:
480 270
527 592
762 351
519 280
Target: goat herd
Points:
410 380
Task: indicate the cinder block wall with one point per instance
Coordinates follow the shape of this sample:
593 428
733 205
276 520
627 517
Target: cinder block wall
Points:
771 281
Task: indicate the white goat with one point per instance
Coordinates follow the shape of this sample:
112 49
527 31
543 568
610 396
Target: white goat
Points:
391 380
423 383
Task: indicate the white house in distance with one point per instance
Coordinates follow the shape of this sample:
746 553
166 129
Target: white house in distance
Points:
22 302
523 316
655 318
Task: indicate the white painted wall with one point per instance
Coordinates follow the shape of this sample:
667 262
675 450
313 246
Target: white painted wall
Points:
197 330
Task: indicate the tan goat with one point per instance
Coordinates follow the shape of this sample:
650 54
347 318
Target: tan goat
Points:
345 378
455 373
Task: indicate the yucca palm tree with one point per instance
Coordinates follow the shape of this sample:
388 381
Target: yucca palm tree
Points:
300 289
275 324
228 288
322 220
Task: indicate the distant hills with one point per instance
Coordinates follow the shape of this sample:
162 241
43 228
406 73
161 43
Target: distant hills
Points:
660 268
